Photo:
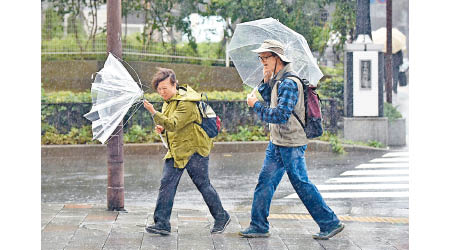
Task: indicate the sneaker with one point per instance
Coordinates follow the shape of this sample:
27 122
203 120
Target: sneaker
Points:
328 234
251 232
220 225
154 229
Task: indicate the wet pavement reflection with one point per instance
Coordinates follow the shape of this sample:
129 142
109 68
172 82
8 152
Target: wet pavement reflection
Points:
233 175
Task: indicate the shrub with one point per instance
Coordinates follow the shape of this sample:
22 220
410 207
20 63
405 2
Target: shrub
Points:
245 133
391 112
81 135
375 144
85 97
137 134
335 142
332 84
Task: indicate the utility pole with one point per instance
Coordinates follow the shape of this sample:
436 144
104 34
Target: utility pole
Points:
115 191
389 51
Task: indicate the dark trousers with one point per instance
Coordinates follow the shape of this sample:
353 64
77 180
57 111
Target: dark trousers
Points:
197 169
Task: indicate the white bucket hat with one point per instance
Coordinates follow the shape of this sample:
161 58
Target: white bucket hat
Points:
273 46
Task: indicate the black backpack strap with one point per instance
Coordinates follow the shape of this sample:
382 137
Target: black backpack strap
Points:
201 104
298 118
292 74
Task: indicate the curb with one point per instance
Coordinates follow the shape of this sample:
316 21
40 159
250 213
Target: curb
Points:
219 147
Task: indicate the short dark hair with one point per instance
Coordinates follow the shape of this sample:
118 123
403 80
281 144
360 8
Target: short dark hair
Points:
162 75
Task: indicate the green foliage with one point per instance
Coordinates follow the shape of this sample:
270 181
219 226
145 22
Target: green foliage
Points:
335 142
133 44
332 84
300 15
391 112
337 146
75 26
375 144
303 16
65 97
344 21
85 97
227 95
245 133
320 35
81 135
52 26
137 134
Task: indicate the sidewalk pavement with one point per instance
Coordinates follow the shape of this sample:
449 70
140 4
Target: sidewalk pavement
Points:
90 226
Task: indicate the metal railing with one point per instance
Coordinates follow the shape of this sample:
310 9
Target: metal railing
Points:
64 116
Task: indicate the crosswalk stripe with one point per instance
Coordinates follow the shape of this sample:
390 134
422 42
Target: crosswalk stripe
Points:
397 159
368 179
356 195
384 186
386 177
365 194
376 172
396 154
383 165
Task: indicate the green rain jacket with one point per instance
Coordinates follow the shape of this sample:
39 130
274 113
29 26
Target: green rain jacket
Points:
183 136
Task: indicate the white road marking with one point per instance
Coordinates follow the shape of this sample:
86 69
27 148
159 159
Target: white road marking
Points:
386 177
399 159
396 154
383 165
376 172
368 179
384 186
365 194
356 195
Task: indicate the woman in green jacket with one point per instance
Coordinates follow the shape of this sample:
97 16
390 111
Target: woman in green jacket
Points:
188 148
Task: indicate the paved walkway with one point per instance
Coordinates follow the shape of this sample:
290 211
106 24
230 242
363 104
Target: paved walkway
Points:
90 226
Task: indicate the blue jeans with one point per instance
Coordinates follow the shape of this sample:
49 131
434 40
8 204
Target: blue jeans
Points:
292 160
197 168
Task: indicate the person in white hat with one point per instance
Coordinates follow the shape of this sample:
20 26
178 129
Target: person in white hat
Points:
286 150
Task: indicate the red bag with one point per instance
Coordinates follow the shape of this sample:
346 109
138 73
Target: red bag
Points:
313 115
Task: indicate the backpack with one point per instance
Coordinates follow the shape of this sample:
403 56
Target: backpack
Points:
313 116
210 121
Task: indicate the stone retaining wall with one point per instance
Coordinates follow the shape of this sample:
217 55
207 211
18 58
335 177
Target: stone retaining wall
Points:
75 75
219 147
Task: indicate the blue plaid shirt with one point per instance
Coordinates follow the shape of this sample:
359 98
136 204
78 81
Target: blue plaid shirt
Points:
287 99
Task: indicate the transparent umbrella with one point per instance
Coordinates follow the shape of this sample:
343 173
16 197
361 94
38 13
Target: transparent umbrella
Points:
113 93
250 35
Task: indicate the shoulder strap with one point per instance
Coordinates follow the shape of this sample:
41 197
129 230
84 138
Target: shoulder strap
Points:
181 87
291 75
296 78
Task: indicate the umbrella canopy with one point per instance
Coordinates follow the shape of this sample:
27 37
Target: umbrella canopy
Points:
113 92
250 35
379 36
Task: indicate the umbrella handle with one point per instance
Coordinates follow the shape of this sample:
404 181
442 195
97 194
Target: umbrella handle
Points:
164 142
254 90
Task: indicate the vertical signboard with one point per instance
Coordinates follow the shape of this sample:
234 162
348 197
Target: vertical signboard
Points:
365 83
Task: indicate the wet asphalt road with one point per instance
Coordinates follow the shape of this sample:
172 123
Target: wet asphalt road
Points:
234 176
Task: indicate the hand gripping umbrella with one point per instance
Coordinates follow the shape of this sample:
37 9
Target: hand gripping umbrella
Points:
250 35
113 93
